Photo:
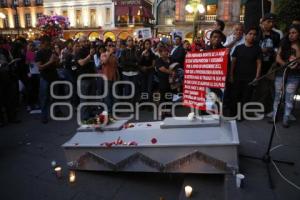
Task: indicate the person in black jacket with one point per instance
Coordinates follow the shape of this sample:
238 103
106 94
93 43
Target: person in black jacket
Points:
8 87
147 69
129 62
178 52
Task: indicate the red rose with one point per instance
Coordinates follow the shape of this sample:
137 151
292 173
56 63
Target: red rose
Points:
154 141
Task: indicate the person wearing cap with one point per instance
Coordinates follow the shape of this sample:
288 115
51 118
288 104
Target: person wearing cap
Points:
178 52
268 41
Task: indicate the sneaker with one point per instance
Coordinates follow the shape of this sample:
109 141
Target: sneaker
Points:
292 117
285 122
270 114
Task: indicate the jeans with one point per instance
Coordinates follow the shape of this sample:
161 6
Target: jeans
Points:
127 88
88 88
290 89
109 100
46 99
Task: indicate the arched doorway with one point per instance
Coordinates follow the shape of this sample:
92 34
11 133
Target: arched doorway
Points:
123 35
110 35
189 37
78 35
93 36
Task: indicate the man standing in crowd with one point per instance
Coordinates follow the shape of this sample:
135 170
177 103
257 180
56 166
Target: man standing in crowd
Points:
8 87
236 38
47 62
178 52
85 61
129 62
269 41
246 66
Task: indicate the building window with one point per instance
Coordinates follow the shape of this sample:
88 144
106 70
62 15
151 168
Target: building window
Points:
39 2
5 22
28 20
93 17
107 16
78 18
65 13
38 15
16 20
243 7
3 3
211 9
26 2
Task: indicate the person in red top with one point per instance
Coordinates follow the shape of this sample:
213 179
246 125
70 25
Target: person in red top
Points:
110 70
198 44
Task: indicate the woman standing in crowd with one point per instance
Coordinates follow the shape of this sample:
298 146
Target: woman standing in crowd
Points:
34 77
147 70
129 61
288 51
110 71
246 66
163 72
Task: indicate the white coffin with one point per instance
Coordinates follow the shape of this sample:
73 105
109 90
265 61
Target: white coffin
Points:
210 150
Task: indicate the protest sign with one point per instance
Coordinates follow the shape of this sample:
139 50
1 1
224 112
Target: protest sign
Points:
204 78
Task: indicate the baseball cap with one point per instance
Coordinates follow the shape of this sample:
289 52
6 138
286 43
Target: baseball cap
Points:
269 16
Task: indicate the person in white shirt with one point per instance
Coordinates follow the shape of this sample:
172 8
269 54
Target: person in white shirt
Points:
236 38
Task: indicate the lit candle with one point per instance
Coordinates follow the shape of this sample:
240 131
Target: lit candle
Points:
53 163
72 177
58 172
188 191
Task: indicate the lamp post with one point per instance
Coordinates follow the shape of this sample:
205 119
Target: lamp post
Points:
196 8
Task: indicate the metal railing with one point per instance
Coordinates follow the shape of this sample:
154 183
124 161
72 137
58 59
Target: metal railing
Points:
207 18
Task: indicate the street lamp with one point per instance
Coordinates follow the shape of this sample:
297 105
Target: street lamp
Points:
195 7
14 5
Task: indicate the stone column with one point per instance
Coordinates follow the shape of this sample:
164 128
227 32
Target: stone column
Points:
224 9
235 10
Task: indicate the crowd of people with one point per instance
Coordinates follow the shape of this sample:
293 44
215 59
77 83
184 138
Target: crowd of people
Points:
151 66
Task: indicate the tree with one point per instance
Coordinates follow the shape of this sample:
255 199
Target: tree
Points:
287 11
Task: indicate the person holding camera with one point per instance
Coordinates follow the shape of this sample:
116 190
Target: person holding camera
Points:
47 61
85 62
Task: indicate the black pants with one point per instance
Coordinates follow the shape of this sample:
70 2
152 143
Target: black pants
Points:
33 90
241 93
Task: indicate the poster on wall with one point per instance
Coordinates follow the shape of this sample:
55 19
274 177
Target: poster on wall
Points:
143 33
204 79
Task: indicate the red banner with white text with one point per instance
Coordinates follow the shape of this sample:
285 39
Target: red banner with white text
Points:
204 78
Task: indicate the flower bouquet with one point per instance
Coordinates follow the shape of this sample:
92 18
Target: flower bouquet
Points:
100 119
53 26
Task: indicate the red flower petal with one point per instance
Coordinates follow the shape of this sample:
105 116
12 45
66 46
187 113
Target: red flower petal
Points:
154 141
